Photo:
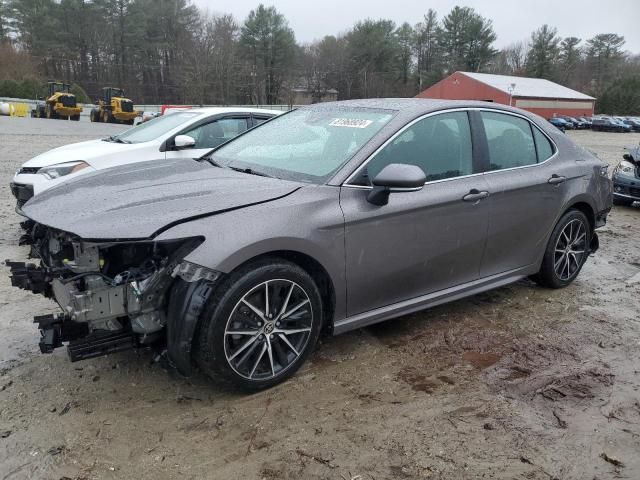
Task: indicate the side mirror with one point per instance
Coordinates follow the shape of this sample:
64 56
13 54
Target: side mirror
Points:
396 177
182 142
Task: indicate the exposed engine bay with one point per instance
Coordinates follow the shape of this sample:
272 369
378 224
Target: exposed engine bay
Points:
113 295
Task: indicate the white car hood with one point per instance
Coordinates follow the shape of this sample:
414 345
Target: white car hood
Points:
92 152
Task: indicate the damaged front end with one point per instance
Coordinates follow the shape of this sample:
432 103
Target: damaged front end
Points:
113 294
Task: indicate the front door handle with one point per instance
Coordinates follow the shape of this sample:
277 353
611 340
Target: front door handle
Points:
475 195
556 179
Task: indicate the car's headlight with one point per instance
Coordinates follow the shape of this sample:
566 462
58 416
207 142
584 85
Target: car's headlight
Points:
62 169
625 169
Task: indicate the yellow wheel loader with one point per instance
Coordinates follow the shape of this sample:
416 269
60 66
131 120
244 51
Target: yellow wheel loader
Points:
60 103
113 107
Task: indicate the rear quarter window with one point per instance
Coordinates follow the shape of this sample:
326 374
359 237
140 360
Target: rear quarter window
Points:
543 146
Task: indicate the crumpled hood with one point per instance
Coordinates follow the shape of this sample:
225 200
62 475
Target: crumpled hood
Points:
78 151
137 201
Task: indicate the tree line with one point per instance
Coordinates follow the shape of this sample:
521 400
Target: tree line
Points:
169 51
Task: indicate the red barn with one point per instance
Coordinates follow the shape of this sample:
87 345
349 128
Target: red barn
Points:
536 95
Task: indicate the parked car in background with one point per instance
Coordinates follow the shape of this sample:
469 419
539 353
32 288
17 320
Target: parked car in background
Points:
606 124
626 128
634 124
561 123
184 134
577 124
586 120
626 178
329 218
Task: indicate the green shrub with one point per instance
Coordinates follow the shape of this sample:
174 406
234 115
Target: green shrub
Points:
622 97
9 88
81 95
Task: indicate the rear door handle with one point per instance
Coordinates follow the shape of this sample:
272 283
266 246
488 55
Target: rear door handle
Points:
556 179
475 195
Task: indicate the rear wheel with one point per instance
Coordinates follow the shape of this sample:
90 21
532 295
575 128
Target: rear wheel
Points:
75 118
566 252
260 326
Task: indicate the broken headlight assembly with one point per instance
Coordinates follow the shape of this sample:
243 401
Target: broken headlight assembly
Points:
112 294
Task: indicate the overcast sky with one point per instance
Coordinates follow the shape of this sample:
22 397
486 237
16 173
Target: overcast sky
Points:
513 20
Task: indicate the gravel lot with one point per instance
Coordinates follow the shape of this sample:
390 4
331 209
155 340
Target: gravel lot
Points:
520 382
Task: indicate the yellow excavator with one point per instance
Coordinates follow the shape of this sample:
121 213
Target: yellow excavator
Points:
113 107
60 103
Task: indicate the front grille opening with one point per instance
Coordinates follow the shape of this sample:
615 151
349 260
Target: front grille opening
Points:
68 101
127 106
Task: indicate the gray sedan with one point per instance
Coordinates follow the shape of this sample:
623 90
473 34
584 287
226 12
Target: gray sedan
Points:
329 218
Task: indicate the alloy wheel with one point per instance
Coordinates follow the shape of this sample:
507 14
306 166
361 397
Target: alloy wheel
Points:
268 329
570 250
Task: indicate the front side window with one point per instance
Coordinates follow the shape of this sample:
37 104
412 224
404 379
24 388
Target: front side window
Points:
215 133
510 141
307 145
440 145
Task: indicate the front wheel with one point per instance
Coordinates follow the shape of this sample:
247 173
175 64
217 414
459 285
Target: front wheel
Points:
566 252
261 325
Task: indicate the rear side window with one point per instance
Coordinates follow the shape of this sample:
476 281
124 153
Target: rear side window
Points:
543 145
440 145
510 141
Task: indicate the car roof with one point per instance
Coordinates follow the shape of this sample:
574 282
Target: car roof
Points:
221 110
409 108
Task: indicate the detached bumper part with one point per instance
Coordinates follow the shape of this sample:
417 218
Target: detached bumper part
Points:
28 276
57 328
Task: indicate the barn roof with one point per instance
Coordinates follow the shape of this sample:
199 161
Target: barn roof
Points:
528 87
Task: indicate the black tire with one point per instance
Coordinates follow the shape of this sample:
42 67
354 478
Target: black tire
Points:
547 276
93 115
622 202
75 118
213 352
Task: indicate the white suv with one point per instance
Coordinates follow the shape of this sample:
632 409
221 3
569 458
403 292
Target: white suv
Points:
183 134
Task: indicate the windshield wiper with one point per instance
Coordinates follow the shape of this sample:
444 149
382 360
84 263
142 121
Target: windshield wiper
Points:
210 160
251 172
114 139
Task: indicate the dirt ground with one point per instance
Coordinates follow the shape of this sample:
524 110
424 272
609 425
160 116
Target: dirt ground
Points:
521 382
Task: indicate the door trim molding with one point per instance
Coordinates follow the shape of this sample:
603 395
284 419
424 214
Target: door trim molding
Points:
431 300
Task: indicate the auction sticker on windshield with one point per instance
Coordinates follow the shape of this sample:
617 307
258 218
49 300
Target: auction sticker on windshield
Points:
350 122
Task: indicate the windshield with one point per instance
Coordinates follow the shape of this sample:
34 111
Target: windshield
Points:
145 132
304 145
